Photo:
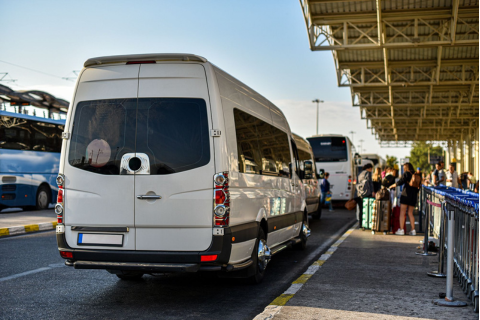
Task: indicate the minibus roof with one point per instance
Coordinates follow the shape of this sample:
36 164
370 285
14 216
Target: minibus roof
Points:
144 57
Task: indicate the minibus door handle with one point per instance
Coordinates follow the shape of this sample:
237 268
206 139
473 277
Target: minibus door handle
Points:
148 197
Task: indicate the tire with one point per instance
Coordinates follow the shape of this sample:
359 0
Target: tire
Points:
130 275
317 215
303 243
43 198
258 267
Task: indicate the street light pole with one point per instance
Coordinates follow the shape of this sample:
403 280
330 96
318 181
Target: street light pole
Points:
361 144
352 133
317 102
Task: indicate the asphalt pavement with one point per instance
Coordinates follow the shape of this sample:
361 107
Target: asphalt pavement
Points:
35 284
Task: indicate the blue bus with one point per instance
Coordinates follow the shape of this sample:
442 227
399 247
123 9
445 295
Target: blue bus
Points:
29 160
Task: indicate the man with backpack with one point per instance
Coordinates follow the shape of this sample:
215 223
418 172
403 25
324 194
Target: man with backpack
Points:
364 188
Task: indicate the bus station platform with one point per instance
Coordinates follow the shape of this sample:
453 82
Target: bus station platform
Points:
366 276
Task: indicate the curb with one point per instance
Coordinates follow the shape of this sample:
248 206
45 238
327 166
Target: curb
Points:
29 228
276 305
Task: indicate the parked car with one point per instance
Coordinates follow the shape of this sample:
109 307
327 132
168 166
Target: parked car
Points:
169 164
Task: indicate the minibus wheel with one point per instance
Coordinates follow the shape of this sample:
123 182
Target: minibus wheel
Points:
303 243
43 198
318 214
260 257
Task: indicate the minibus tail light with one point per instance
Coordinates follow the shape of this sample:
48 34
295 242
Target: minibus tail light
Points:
221 200
60 195
141 62
59 207
210 257
66 254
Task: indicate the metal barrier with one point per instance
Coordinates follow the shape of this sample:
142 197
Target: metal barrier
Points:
451 215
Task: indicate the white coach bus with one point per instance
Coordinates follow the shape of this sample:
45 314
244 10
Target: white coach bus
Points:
335 154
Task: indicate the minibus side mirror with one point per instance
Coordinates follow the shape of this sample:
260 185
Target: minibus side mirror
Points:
321 173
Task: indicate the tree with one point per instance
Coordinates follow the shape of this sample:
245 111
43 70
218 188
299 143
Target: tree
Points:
419 155
391 161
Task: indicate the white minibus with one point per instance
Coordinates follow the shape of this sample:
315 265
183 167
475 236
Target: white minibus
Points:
169 164
308 174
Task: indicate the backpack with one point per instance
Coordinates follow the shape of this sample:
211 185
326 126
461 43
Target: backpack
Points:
416 180
363 187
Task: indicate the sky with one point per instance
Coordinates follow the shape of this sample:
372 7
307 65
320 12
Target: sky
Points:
262 43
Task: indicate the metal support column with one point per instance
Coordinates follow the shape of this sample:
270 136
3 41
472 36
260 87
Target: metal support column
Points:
449 301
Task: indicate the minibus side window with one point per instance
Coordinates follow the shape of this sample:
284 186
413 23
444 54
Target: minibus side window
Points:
298 164
266 140
262 148
249 160
281 149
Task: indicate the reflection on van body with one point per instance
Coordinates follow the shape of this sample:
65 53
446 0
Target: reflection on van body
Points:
192 167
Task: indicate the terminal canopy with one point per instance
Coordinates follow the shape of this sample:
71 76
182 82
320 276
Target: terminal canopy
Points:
39 99
412 66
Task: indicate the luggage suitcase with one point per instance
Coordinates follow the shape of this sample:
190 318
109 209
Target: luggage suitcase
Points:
381 211
376 215
367 213
396 219
386 216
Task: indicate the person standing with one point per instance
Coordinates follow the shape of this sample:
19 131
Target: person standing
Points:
377 180
325 188
408 199
452 177
441 174
364 188
471 181
389 179
438 175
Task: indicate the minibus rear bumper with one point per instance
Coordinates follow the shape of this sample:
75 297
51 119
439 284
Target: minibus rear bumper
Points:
164 261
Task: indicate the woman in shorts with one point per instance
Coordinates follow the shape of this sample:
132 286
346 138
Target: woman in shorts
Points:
408 199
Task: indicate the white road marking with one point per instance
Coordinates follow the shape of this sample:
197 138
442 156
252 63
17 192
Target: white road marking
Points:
26 273
312 269
293 288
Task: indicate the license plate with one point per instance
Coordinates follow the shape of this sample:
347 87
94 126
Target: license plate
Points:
97 239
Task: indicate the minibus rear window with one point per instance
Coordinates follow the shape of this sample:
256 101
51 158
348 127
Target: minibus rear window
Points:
172 132
103 131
